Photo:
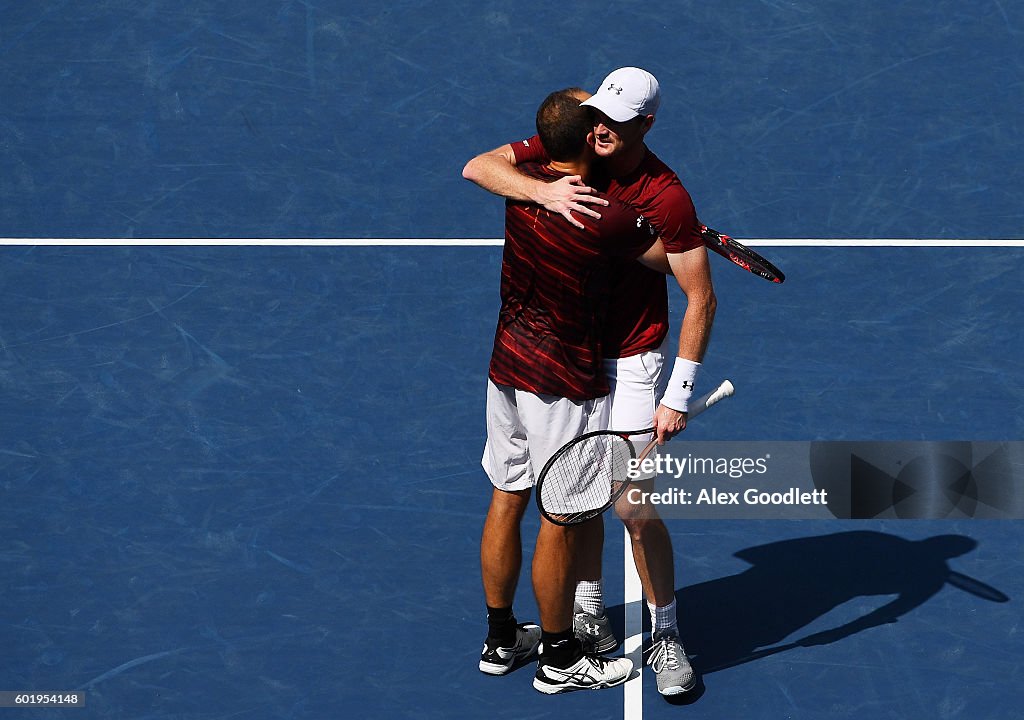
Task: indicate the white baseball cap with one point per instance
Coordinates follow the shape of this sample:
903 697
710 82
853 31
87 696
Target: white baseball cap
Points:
626 93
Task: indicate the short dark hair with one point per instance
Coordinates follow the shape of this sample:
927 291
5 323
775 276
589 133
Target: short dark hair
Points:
563 125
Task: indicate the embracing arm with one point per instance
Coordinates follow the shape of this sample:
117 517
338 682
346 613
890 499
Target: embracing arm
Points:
495 171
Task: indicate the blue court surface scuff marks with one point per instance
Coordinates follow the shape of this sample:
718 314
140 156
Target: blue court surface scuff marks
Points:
282 118
246 480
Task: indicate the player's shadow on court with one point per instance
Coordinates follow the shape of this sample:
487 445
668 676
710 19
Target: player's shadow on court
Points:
791 583
759 612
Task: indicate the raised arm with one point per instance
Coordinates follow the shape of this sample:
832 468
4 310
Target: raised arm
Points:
693 273
496 172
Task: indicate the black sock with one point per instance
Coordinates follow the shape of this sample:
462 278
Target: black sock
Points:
501 625
560 649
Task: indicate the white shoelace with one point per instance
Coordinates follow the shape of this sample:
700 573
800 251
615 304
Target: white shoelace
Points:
664 654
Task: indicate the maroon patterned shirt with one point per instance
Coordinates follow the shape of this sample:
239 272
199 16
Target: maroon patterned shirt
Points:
555 283
638 319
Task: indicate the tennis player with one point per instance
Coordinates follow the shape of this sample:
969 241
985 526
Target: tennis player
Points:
635 337
546 385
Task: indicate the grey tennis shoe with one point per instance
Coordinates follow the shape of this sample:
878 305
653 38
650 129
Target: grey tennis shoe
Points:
594 631
497 660
670 665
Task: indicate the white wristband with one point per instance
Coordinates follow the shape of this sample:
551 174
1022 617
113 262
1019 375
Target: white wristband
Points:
680 384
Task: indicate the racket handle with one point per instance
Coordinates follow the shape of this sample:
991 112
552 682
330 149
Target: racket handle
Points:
696 407
724 390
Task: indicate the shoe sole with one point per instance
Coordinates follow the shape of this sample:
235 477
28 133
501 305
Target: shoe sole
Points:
494 669
555 688
678 689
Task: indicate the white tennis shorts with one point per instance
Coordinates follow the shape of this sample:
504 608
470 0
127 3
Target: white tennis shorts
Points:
637 384
525 429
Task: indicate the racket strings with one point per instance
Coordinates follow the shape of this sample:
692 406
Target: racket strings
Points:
586 477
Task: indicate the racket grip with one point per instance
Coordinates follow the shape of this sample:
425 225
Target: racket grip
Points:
724 390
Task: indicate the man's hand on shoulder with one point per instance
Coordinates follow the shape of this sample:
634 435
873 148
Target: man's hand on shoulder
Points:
568 195
496 172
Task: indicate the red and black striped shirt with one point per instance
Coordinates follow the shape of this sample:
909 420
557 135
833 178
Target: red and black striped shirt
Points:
555 283
638 320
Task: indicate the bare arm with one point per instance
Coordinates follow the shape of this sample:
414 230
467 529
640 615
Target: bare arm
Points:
656 258
495 171
693 273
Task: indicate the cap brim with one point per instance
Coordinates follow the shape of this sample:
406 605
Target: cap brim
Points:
610 107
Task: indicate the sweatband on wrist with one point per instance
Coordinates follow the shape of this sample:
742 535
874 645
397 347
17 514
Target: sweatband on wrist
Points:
680 384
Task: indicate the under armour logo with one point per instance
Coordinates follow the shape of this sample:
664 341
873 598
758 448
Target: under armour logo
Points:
617 89
687 385
591 628
642 224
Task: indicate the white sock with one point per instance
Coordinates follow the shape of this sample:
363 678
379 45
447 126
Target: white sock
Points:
590 596
663 618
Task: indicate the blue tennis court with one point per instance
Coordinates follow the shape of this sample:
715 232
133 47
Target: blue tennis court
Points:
243 480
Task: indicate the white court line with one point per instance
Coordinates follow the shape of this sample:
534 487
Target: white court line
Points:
484 242
633 602
882 242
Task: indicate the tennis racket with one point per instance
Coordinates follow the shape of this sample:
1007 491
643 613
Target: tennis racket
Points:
588 474
740 254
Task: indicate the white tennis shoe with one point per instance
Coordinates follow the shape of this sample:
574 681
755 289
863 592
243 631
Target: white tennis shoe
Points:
590 672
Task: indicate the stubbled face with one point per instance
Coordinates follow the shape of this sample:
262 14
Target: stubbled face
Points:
611 138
